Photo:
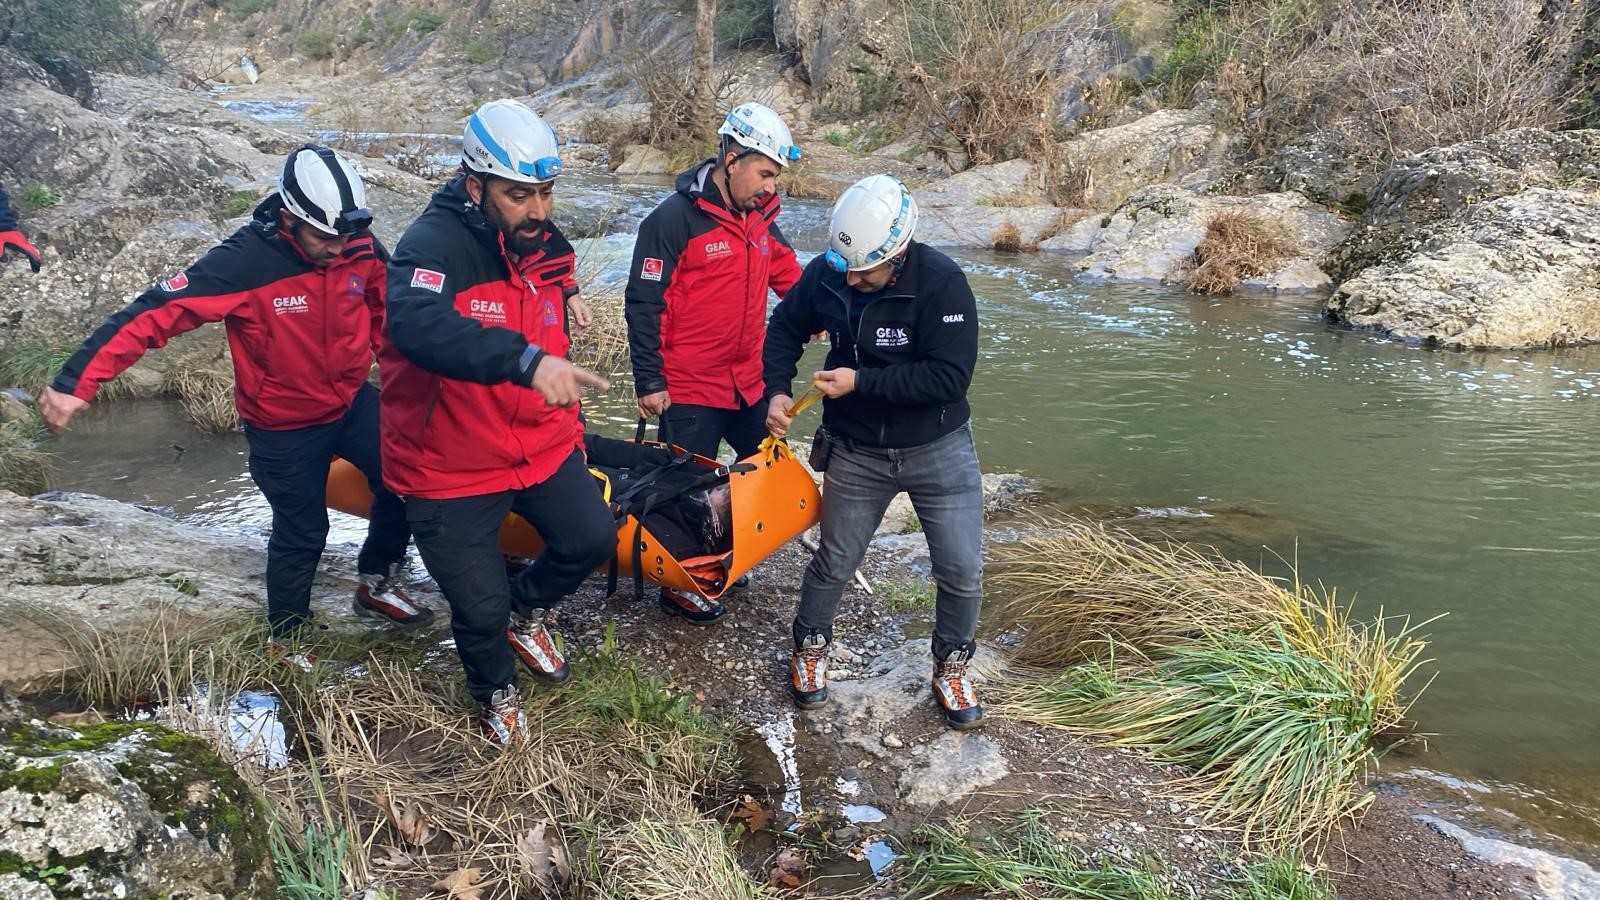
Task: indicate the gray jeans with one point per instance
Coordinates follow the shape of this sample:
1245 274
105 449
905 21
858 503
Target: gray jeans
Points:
946 489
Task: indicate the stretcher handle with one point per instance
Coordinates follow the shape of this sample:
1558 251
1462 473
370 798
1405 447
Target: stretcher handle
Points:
663 432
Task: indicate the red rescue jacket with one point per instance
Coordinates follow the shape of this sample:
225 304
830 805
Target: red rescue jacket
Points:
302 338
467 327
696 300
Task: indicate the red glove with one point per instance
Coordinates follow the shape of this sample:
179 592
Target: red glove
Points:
13 240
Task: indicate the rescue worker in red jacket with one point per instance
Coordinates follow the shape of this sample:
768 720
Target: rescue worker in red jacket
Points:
11 237
300 291
696 301
480 411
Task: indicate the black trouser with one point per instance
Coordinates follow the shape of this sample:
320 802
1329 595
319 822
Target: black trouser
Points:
460 543
291 468
701 429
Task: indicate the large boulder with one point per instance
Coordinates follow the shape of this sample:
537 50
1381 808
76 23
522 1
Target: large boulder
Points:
1170 146
1441 183
124 809
1151 237
1516 271
841 48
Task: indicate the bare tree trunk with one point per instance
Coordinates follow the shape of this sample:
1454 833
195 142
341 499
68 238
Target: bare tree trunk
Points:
705 93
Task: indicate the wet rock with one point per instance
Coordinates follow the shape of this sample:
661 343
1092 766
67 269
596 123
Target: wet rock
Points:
1558 878
1149 238
126 810
954 765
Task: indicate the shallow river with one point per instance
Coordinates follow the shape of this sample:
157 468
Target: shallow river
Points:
1419 482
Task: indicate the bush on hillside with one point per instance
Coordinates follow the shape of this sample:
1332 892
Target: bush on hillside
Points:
100 34
1392 77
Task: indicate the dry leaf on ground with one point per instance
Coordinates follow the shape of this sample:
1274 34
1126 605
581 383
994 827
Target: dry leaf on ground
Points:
408 818
543 858
460 884
788 869
753 814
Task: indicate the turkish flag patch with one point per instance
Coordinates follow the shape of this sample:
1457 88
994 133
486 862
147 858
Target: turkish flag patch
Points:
650 269
176 283
429 279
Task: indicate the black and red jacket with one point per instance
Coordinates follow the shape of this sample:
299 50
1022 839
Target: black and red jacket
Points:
302 338
696 300
467 327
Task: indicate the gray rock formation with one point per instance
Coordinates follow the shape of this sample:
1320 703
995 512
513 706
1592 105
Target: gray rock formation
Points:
125 809
77 564
842 47
1149 238
1489 243
1517 271
1429 187
1176 146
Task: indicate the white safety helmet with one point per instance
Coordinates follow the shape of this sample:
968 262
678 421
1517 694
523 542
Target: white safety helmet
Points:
758 128
323 190
872 221
508 139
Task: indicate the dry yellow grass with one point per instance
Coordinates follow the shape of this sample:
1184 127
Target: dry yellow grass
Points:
1239 244
1006 238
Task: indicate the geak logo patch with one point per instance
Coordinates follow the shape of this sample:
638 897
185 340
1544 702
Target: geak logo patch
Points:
891 337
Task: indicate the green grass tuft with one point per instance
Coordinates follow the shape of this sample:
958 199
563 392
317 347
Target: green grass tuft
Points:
907 595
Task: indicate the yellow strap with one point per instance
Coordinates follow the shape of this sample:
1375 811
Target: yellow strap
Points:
808 399
605 483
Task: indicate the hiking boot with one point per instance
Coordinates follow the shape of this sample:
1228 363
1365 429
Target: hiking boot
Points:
742 582
952 687
296 659
697 609
808 672
537 649
378 597
504 719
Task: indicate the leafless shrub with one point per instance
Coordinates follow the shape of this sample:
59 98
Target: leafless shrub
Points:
1006 238
985 74
1238 244
1399 76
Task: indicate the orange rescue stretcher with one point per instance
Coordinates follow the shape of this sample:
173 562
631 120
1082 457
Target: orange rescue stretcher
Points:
772 499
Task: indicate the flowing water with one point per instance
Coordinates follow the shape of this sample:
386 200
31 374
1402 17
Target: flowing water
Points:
1419 482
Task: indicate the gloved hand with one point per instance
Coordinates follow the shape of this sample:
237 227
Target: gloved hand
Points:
13 240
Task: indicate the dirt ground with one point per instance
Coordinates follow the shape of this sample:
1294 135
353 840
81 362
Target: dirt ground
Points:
842 776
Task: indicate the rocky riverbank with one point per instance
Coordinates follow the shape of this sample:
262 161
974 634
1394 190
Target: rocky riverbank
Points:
864 775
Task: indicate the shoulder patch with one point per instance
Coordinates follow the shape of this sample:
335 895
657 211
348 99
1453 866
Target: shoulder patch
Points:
650 269
176 283
428 279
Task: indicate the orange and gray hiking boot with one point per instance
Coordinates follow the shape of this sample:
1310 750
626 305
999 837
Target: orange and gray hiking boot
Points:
536 647
504 719
379 597
808 672
952 687
696 609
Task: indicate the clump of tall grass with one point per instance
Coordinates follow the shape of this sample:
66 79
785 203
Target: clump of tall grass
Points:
206 393
1025 857
1238 244
1267 690
24 468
